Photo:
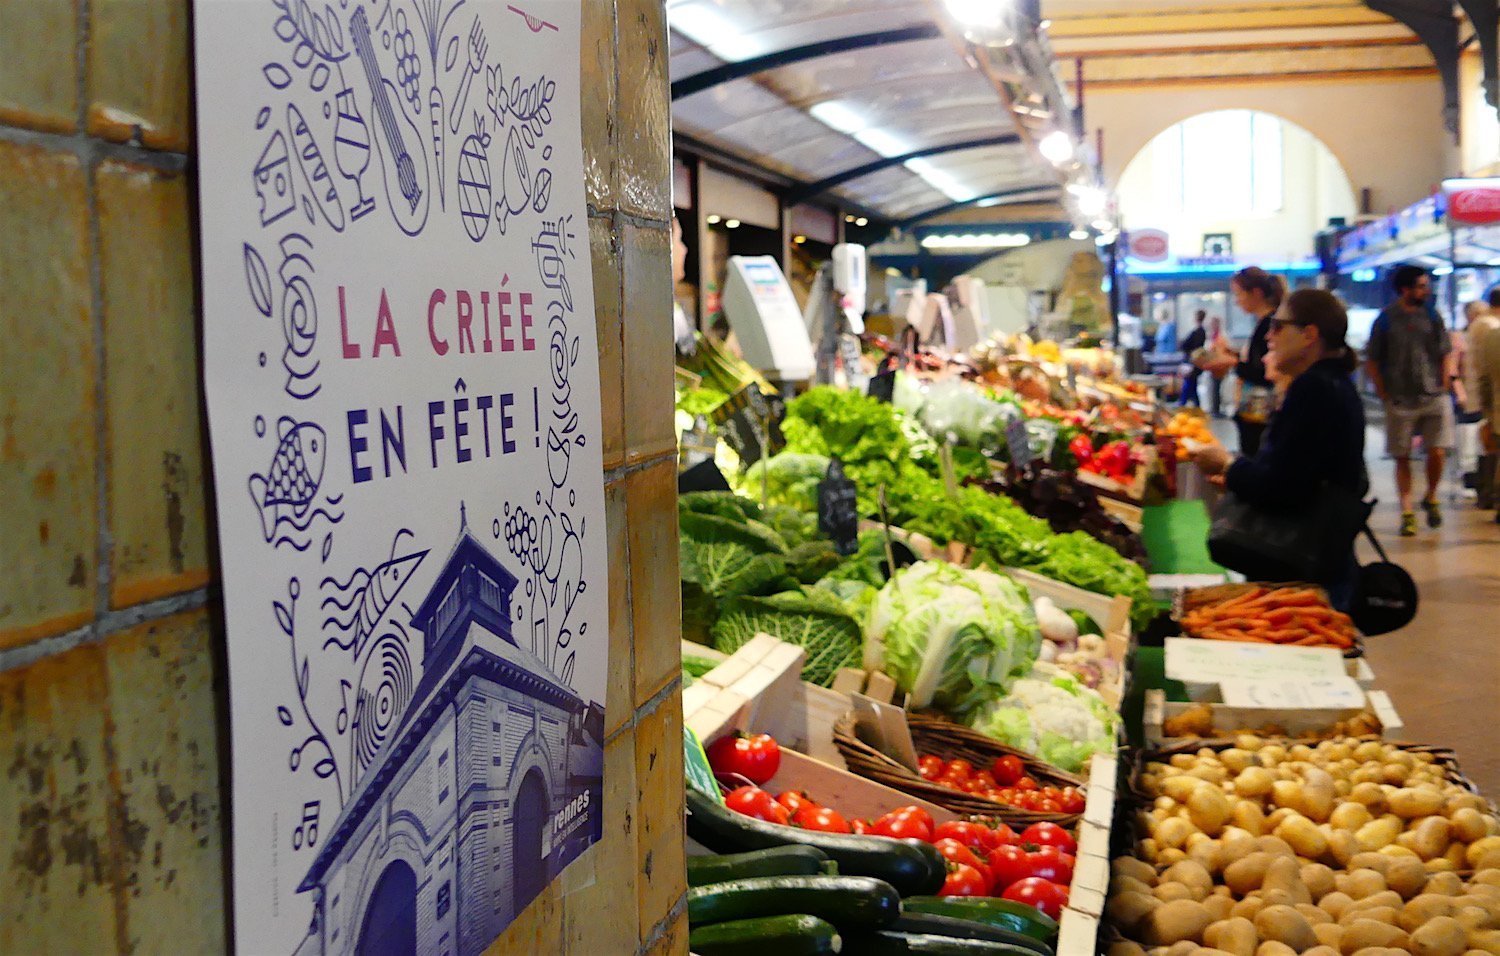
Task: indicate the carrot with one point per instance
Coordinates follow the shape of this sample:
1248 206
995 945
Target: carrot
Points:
1311 640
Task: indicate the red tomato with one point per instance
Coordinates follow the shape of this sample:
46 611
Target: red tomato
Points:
931 767
961 768
859 826
964 880
1052 864
1008 769
1026 783
1045 896
975 836
1003 835
1007 865
755 757
1050 834
1073 801
956 852
757 803
811 817
794 800
906 823
986 780
1048 805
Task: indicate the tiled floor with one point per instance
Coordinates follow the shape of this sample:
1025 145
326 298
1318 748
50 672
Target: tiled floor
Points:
1443 670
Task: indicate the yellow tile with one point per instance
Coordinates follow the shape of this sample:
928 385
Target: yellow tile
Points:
649 354
644 126
538 929
139 72
604 248
158 517
598 85
47 422
619 704
655 591
38 81
602 917
56 849
659 788
163 706
674 942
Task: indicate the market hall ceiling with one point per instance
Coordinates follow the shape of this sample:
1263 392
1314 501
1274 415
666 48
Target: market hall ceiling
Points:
870 102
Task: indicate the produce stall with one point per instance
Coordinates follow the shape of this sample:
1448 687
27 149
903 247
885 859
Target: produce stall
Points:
911 654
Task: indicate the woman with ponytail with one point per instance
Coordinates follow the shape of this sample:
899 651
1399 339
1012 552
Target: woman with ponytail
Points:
1260 293
1317 436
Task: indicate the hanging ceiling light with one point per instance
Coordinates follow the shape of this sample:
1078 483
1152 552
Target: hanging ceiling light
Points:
979 14
1056 147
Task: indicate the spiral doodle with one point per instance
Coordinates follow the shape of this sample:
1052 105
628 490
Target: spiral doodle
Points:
385 688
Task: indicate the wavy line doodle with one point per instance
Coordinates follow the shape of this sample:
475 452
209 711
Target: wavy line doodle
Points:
286 494
359 603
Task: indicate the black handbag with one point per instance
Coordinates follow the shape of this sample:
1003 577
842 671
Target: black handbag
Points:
1385 596
1311 543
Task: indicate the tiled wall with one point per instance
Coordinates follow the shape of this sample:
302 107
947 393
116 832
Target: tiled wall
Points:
112 697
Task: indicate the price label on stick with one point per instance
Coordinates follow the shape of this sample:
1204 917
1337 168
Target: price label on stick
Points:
1020 444
750 422
838 510
704 476
882 386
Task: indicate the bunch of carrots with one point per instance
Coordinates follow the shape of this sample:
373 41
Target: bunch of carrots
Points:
1261 615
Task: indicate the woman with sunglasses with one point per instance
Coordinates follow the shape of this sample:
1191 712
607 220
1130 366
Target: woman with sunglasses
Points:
1318 433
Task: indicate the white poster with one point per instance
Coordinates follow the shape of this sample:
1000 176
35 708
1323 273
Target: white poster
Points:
404 408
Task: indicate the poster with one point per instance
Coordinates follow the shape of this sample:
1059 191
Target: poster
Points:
403 403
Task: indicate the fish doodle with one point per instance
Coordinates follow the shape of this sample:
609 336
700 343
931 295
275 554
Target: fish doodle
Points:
285 494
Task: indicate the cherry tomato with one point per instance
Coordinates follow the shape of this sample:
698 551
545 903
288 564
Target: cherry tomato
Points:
1052 864
757 803
956 852
960 768
975 836
930 767
1073 801
794 800
964 880
1050 834
755 757
1008 769
986 780
1007 865
822 819
1045 896
859 826
905 823
1048 805
1026 783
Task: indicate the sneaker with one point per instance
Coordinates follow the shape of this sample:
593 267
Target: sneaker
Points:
1434 513
1408 524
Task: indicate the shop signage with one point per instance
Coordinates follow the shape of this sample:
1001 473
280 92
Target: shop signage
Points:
1208 662
1199 262
1472 202
1148 245
404 407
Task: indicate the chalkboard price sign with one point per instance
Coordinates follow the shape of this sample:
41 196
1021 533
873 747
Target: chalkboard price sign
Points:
704 476
882 386
750 421
1020 444
838 510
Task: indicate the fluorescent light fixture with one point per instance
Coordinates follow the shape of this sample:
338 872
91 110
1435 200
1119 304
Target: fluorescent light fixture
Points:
1368 275
1443 271
976 241
706 25
1104 225
861 221
1091 199
838 115
714 219
979 14
732 224
1056 147
942 181
885 143
1078 235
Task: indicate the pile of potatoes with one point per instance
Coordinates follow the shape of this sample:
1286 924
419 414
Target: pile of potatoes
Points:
1344 848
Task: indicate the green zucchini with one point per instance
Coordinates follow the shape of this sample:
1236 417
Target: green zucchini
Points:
854 902
1017 917
721 830
793 935
937 864
890 943
777 861
932 925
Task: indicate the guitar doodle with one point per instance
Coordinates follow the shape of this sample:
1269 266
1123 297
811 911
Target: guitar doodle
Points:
404 168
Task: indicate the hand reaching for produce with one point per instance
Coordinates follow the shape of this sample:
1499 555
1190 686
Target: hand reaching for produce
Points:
1212 459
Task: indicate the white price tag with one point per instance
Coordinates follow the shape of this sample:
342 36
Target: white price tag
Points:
1337 693
1193 660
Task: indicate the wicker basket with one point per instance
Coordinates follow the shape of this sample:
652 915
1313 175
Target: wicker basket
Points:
933 735
1193 598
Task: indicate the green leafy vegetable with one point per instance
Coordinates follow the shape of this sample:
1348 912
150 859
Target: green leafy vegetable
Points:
1051 714
814 619
789 479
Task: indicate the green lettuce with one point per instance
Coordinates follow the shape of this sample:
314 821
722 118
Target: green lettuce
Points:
951 638
789 479
1051 714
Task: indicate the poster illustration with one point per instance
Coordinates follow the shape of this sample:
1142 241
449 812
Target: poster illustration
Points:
404 411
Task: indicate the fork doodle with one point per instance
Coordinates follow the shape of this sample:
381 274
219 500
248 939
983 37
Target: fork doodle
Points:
478 47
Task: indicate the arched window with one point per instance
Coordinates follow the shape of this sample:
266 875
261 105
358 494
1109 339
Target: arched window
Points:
390 927
1227 164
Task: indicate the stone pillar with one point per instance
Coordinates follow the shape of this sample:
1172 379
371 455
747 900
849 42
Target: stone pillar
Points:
113 710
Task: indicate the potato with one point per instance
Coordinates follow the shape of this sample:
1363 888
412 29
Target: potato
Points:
1429 838
1208 854
1473 919
1248 817
1248 907
1375 834
1469 825
1460 799
1441 865
1174 922
1329 934
1409 803
1317 795
1446 884
1318 879
1284 924
1275 846
1283 875
1208 809
1235 935
1179 787
1486 878
1362 883
1385 898
1486 941
1247 874
1125 948
1219 907
1342 846
1478 849
1172 892
1287 793
1279 898
1396 851
1236 760
1369 861
1303 836
1173 833
1191 875
1456 855
1424 909
1185 948
1273 948
1171 855
1364 933
1439 937
1350 816
1322 951
1254 782
1335 903
1212 773
1407 877
1129 884
1380 914
1127 910
1314 916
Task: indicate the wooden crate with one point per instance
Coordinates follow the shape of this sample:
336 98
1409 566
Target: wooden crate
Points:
1078 930
1295 722
1112 614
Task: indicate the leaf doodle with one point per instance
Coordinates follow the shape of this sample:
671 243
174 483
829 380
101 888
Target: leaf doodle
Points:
283 617
324 768
258 278
284 715
277 75
318 79
451 56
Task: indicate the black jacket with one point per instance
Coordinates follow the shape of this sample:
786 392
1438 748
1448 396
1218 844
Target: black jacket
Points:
1252 371
1195 340
1317 435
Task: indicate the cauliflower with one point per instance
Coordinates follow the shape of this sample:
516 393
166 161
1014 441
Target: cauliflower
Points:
1051 714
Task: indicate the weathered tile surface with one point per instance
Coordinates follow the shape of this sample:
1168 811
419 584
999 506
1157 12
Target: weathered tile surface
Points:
655 591
604 245
649 421
603 917
139 72
598 82
619 704
659 811
38 85
645 125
